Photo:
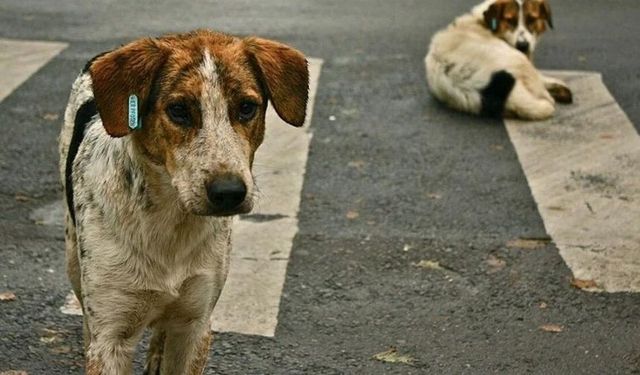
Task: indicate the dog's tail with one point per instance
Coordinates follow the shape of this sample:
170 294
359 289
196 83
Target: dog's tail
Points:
495 95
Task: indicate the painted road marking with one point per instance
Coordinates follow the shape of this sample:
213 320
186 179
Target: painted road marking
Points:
262 241
20 59
583 167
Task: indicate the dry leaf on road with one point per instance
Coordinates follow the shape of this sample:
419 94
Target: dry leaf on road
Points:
429 265
351 215
552 328
50 116
7 296
528 243
495 264
583 284
392 356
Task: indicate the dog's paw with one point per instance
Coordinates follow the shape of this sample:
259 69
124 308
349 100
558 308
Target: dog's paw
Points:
561 94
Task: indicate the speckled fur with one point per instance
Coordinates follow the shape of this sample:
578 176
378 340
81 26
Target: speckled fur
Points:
144 250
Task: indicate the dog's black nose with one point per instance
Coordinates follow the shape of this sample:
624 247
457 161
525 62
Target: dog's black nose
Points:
226 193
522 46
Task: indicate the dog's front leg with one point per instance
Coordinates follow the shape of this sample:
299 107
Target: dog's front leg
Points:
115 321
187 324
187 349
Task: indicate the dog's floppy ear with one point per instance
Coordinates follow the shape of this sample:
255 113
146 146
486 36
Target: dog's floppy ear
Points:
493 16
285 76
545 12
116 75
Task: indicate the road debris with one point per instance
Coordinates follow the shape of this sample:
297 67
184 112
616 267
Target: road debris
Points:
495 264
429 265
352 215
392 356
7 296
528 243
551 328
583 284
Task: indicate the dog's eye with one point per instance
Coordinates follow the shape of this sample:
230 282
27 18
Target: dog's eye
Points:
247 110
179 113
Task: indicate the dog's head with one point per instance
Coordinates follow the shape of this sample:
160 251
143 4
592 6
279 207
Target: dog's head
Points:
202 100
519 22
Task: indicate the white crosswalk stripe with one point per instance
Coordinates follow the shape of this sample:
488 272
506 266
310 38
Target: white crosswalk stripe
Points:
583 167
20 59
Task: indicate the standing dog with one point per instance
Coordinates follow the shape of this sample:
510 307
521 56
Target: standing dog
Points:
481 63
155 157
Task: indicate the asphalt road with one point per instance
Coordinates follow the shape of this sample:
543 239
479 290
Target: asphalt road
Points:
427 184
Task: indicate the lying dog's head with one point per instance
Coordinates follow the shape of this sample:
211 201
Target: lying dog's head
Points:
519 22
202 101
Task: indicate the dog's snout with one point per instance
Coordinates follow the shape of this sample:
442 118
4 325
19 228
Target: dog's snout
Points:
226 193
522 46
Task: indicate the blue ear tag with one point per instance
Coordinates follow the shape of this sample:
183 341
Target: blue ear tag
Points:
494 24
135 122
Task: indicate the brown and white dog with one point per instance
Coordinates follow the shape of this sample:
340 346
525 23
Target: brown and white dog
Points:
149 210
481 63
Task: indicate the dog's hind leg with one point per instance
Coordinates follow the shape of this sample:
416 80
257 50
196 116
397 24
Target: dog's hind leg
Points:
523 104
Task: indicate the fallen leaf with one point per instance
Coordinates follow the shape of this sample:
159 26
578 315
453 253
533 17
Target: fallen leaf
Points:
50 116
392 356
50 336
63 349
434 196
552 328
351 215
607 136
497 147
357 164
429 265
14 372
583 284
542 305
22 198
495 264
7 296
528 243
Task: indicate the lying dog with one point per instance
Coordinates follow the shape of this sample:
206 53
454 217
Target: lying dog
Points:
481 63
155 155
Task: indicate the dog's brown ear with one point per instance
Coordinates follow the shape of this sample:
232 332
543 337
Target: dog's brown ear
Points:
116 75
493 16
285 75
545 12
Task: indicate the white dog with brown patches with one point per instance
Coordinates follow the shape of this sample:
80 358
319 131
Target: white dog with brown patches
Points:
481 63
156 154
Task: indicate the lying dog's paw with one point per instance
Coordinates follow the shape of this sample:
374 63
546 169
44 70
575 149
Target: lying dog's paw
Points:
561 94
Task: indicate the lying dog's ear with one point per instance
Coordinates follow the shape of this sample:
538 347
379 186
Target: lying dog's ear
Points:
545 12
116 75
493 16
285 76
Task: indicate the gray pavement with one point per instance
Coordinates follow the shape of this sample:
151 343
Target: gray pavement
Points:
427 184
